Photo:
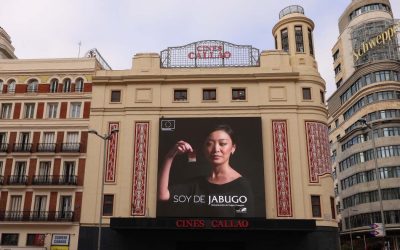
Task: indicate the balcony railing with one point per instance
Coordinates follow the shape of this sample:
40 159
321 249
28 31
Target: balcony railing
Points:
70 147
22 147
60 216
3 147
54 180
1 180
46 147
17 180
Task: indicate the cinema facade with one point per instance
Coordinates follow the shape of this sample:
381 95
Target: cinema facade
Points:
273 100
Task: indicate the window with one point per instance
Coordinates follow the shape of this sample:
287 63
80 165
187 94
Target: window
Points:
65 207
108 205
298 31
180 94
316 205
14 209
54 86
69 172
338 69
79 85
35 240
336 123
322 94
6 111
339 83
209 94
3 143
310 42
29 110
75 110
336 55
67 85
11 86
1 86
32 86
116 96
1 170
40 206
333 208
72 142
44 172
51 110
238 94
285 40
9 239
276 42
306 93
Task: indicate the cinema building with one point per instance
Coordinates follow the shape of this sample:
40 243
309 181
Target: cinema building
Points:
273 100
364 125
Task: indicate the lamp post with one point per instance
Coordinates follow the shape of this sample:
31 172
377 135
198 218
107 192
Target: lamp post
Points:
105 138
377 175
350 228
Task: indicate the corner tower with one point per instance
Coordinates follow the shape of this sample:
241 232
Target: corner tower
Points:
293 34
6 49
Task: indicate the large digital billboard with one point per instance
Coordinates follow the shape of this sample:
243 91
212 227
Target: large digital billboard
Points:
211 167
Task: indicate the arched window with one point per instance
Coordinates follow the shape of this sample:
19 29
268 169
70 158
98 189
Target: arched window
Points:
79 85
54 86
32 86
67 85
1 86
11 86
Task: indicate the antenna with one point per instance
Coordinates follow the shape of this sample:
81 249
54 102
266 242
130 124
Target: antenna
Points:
79 48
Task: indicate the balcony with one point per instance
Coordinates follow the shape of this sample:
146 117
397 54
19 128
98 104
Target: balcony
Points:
17 180
54 180
70 147
50 216
22 147
46 147
3 147
1 180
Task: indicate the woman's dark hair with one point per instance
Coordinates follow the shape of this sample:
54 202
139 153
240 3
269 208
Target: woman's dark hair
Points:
227 129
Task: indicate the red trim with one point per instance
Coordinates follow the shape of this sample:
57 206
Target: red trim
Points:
282 169
140 168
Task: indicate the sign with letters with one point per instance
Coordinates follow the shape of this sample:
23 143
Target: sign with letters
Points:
60 240
209 54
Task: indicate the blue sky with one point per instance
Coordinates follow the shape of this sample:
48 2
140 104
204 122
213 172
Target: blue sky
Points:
121 28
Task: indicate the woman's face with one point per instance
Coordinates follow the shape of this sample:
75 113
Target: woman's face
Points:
219 147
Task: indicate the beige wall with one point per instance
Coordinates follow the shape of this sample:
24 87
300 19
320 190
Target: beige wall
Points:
273 93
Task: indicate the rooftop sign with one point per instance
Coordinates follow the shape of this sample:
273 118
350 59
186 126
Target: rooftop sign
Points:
210 54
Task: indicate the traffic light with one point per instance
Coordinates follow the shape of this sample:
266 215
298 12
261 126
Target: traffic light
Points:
377 230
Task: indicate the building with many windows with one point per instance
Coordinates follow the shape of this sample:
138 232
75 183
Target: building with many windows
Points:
86 150
364 125
273 100
44 118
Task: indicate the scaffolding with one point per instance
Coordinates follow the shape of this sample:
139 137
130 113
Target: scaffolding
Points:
368 44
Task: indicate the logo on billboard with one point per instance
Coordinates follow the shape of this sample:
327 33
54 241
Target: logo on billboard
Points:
167 125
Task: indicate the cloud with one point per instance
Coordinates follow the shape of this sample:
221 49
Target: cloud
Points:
121 28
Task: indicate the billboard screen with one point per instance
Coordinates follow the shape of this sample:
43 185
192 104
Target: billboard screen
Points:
211 167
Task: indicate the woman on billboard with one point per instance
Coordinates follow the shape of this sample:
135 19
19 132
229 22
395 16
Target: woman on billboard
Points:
223 193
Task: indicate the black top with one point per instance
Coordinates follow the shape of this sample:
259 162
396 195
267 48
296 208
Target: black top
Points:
200 198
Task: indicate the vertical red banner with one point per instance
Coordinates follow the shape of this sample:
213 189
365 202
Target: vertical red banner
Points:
318 150
282 169
140 168
112 144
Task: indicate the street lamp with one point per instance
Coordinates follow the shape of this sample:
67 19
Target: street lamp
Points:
350 228
377 175
105 138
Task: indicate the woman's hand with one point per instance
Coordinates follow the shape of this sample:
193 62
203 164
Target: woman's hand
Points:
181 147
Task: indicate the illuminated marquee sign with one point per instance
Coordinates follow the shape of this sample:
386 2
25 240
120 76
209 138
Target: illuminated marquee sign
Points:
210 53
